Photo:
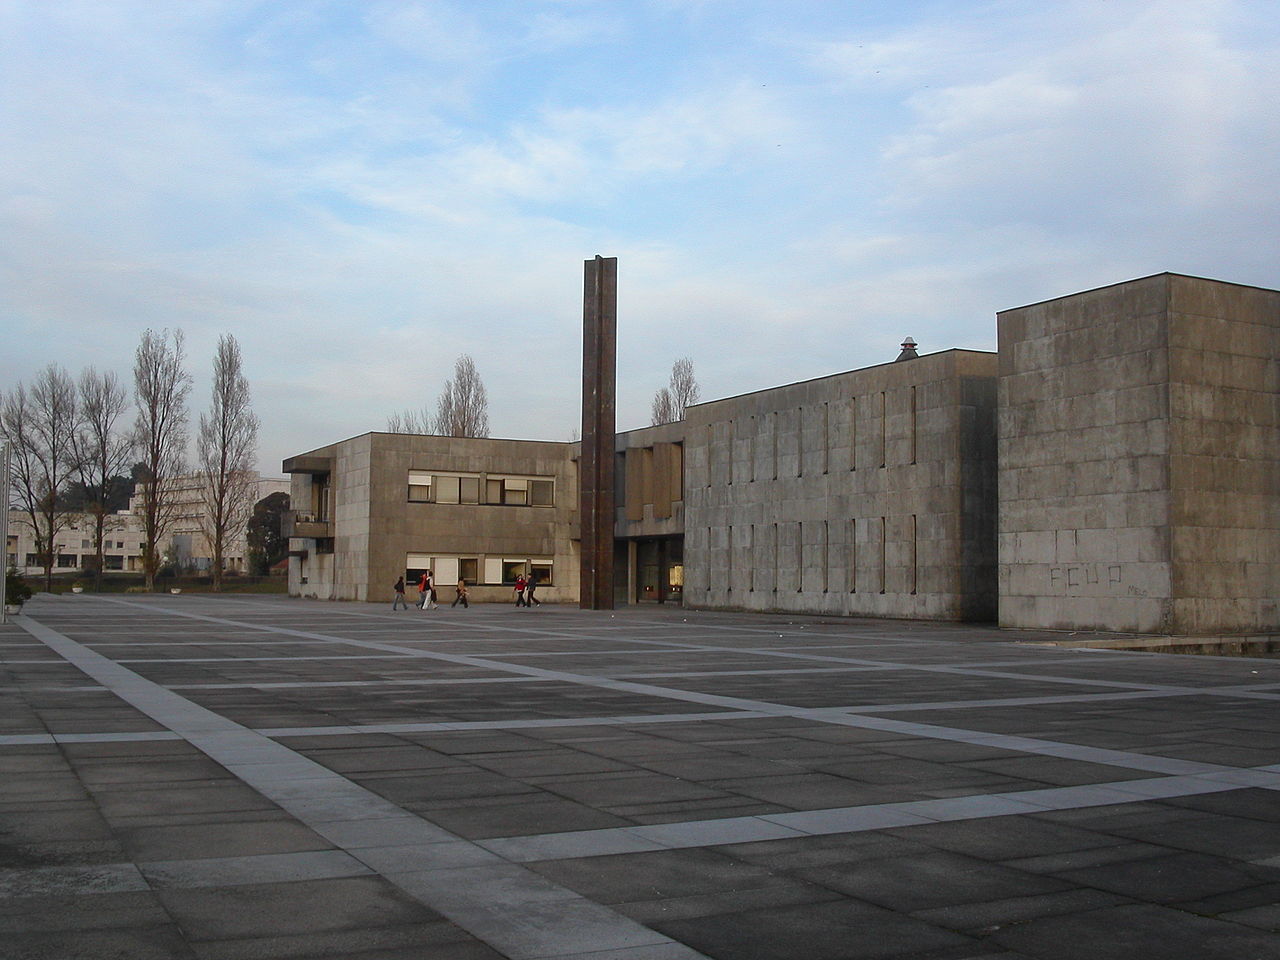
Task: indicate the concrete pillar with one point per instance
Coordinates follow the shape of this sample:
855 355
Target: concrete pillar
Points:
599 356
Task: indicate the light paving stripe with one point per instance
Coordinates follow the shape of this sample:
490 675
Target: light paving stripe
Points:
571 845
339 656
514 910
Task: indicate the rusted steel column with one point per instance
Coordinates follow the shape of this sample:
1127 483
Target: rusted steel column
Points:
595 465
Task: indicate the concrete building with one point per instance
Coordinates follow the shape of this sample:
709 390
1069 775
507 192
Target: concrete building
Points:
649 531
369 509
1139 459
1112 467
869 492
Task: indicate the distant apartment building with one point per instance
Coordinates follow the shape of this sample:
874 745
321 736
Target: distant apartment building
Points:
185 544
1114 466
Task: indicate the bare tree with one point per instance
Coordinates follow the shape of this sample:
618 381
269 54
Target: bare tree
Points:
103 453
463 407
663 410
40 426
226 446
681 392
160 388
411 421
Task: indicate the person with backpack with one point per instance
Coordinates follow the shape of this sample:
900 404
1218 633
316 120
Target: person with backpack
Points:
399 589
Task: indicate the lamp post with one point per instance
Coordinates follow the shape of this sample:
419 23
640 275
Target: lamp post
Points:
4 535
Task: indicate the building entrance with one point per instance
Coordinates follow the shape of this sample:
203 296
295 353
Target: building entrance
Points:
659 570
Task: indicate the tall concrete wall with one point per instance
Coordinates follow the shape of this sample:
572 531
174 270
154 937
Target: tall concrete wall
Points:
1138 459
1224 463
870 492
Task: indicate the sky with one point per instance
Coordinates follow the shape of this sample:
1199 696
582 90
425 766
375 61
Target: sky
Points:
360 192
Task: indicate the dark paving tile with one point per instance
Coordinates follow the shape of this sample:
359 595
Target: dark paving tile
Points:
424 789
187 842
1005 838
1171 878
521 817
410 941
846 930
1129 932
137 943
643 877
288 909
1237 837
925 880
100 911
122 801
982 919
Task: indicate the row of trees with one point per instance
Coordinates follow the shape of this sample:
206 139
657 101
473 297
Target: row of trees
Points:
63 431
462 409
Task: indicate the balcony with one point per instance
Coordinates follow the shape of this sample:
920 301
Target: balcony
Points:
306 525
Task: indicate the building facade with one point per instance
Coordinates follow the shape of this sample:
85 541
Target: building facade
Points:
1139 459
870 492
383 505
1114 466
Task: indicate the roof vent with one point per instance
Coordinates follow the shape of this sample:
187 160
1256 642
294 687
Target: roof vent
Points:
908 350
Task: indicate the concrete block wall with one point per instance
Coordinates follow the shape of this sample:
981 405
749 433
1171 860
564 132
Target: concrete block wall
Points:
1224 409
870 492
1131 418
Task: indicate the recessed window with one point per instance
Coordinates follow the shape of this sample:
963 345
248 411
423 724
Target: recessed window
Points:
541 493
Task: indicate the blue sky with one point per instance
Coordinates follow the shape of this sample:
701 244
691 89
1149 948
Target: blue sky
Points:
360 192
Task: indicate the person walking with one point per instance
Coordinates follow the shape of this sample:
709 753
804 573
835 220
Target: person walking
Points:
422 591
521 583
529 599
400 600
461 591
428 591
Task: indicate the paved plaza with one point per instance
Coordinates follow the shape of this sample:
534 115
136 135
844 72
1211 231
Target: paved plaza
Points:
240 777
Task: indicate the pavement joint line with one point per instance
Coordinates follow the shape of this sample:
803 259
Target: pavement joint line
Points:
1136 761
330 797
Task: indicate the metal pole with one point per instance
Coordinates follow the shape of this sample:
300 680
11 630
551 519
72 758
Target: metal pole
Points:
4 535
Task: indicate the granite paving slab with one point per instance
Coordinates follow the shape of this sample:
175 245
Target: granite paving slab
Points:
235 777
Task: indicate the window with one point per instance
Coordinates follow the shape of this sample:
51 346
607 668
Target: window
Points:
447 489
512 569
66 561
113 563
426 487
542 493
515 491
419 486
469 569
541 571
